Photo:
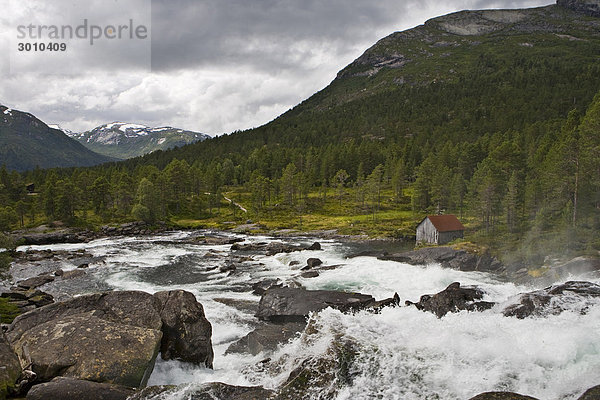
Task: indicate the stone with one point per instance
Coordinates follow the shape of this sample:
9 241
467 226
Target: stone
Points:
573 295
186 331
10 368
208 391
261 287
35 282
76 389
453 299
294 304
76 273
309 274
501 396
591 394
313 262
109 337
266 337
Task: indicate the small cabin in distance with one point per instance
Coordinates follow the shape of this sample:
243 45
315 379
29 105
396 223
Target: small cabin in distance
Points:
439 229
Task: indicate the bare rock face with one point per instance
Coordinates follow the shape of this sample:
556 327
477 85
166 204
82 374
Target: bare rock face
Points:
107 337
186 331
75 389
589 7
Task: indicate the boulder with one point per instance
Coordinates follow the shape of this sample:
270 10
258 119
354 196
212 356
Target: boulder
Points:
553 300
261 287
501 396
109 337
266 337
186 331
313 262
10 368
321 377
453 299
309 274
35 282
448 258
591 394
294 304
75 389
207 391
52 238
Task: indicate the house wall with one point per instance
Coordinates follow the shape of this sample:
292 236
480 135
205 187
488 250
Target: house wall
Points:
447 237
426 232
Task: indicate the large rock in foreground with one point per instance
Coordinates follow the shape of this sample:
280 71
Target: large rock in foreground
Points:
109 337
186 331
294 305
453 299
266 337
10 368
74 389
553 300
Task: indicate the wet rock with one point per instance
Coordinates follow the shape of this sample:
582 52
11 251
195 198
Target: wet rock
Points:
313 262
553 300
453 299
249 246
35 282
591 394
83 265
266 337
292 263
501 396
76 273
107 337
261 287
448 257
391 302
230 267
321 377
10 368
294 305
186 331
208 391
274 248
310 274
75 389
218 240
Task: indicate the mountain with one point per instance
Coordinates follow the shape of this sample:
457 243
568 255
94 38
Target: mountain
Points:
26 143
458 78
123 140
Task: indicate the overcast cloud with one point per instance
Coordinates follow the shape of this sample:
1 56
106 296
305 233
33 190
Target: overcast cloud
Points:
216 65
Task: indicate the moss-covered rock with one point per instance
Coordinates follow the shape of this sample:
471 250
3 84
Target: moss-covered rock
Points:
10 369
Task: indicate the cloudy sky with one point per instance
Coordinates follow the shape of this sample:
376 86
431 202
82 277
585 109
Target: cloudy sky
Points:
212 66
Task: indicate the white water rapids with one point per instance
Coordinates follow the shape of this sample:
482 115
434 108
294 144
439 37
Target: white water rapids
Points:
404 353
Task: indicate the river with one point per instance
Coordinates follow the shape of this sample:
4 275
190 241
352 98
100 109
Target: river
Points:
404 353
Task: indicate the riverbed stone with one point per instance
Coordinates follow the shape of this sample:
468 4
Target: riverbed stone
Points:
591 394
207 391
75 389
574 295
294 304
453 299
186 331
501 396
266 337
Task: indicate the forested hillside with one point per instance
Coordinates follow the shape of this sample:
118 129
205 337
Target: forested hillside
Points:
493 116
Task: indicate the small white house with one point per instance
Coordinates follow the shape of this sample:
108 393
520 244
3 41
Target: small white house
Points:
439 229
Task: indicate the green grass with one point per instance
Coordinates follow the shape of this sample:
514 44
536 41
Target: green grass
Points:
8 311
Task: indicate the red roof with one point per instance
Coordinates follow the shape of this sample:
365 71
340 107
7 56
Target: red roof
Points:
446 223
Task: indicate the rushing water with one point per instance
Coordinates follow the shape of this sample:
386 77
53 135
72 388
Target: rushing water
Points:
404 353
